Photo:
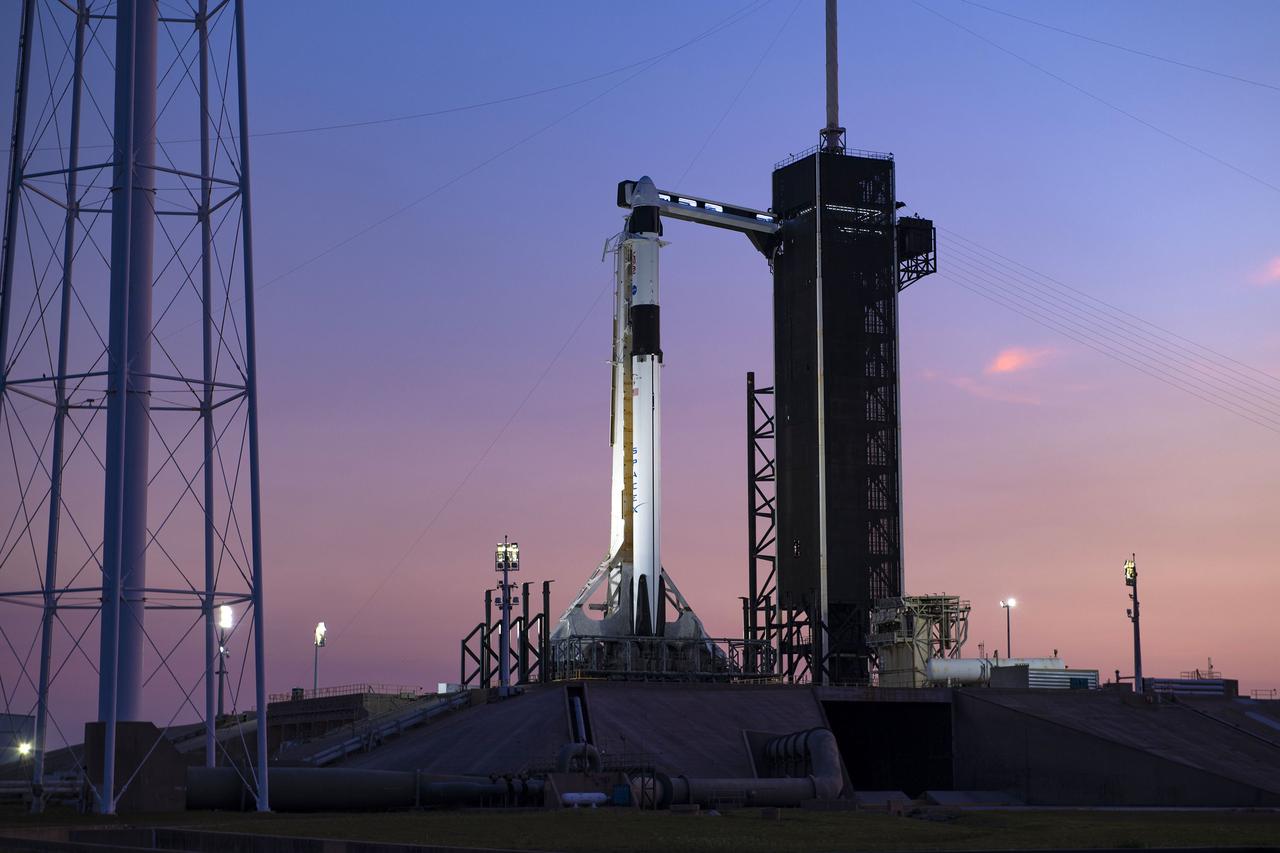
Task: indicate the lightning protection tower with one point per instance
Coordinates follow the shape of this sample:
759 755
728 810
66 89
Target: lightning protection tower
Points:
128 392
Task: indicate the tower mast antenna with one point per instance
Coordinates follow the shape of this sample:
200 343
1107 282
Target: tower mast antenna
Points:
833 133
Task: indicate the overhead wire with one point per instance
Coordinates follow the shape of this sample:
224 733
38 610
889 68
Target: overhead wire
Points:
1131 316
977 288
1128 325
1133 50
398 564
743 12
737 95
1101 100
1040 304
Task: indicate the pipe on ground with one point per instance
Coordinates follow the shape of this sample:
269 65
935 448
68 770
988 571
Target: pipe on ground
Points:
341 789
816 747
579 757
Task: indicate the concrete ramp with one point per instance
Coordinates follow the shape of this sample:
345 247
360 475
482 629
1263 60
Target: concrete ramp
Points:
496 737
1091 748
692 729
696 729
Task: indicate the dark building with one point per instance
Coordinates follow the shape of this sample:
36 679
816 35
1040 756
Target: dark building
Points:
841 260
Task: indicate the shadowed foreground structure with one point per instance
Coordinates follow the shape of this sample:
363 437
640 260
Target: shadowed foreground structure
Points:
1060 748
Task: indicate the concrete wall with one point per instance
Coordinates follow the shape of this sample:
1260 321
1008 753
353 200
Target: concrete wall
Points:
1052 762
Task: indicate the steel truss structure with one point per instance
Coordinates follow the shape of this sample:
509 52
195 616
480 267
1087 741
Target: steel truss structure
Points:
780 641
128 389
481 660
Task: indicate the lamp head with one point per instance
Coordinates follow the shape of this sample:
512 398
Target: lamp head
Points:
320 632
226 617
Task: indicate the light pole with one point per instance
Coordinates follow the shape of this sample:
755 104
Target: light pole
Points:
1008 604
1131 579
315 676
506 560
226 619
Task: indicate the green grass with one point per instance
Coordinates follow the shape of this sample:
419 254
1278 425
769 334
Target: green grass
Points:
745 830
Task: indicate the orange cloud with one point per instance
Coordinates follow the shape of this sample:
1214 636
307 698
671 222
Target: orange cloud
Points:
1268 275
1013 359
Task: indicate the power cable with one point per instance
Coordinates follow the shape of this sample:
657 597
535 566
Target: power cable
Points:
737 16
1126 334
732 103
742 13
1064 81
1120 348
981 285
1124 48
1126 314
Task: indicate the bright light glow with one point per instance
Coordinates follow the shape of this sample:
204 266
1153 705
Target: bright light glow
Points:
226 618
1009 602
24 748
320 632
507 554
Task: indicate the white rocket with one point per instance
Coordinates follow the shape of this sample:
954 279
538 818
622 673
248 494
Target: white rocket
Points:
639 288
638 587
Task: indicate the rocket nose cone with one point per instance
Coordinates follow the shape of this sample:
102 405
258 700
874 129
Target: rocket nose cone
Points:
645 193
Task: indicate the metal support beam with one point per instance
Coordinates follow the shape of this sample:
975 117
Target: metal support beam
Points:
251 392
60 416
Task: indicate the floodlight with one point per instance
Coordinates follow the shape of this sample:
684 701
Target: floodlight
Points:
226 618
320 632
507 556
24 748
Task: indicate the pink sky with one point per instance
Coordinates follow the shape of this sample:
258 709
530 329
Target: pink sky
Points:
1033 465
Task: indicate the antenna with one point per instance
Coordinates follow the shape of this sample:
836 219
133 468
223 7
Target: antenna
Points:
833 133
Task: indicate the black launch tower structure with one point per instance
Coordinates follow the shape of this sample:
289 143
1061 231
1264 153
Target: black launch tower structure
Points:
841 260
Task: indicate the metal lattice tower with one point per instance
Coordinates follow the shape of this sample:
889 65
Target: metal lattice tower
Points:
128 392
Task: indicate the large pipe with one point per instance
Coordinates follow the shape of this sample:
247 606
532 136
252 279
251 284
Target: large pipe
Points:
978 670
578 756
643 230
824 781
129 390
309 789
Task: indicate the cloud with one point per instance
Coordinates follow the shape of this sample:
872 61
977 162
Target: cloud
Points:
1268 276
989 392
1014 359
982 390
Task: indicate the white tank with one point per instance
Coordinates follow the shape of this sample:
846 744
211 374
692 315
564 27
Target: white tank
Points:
978 670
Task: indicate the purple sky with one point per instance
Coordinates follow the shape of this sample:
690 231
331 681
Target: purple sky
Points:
1033 463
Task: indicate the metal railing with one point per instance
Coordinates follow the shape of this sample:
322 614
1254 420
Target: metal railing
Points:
402 690
374 731
848 152
658 658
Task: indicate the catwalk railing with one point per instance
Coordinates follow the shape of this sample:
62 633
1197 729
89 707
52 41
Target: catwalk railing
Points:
658 659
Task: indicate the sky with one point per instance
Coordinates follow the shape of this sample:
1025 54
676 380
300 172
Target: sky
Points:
441 380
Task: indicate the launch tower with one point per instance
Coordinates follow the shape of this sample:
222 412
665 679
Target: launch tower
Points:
841 258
